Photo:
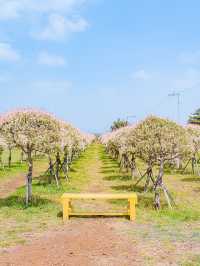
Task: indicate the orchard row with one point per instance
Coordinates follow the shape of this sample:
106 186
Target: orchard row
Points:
157 143
34 131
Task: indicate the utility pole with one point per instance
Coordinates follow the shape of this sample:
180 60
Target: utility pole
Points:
178 95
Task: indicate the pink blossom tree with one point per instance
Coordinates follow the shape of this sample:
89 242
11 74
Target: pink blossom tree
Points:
30 130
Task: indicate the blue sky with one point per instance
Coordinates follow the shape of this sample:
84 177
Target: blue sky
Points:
92 61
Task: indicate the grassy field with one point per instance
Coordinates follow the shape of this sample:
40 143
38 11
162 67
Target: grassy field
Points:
45 210
172 232
17 166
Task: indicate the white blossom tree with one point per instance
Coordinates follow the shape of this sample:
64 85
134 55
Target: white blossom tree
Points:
30 130
159 142
193 131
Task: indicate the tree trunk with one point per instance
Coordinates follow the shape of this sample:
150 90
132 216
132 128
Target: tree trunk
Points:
158 185
193 164
22 156
50 170
65 165
178 163
134 173
149 177
58 162
29 178
9 157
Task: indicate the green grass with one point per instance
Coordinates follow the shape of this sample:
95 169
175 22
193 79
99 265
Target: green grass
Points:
15 156
45 210
165 229
161 231
7 173
16 167
194 261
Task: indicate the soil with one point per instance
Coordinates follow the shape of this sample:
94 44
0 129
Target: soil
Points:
11 185
95 241
81 242
8 187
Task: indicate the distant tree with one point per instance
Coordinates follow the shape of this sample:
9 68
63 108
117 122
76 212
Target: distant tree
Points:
118 124
195 118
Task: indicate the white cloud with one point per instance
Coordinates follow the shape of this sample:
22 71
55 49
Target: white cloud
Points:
64 6
7 53
60 13
44 58
12 9
141 74
191 58
60 27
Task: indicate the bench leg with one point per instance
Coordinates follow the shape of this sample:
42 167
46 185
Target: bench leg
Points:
70 206
66 210
132 212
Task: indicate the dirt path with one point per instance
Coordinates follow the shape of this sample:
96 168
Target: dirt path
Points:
10 185
82 242
18 180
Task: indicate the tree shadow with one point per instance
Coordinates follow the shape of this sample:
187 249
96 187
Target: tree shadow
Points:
191 179
108 171
16 165
117 177
128 188
18 202
72 170
110 167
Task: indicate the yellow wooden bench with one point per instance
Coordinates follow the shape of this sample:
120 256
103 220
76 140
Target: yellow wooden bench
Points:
68 197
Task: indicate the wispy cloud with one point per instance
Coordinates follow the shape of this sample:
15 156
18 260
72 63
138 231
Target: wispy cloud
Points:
44 58
141 74
13 9
7 53
62 16
59 27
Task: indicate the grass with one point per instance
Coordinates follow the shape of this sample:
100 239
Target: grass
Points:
194 261
171 232
17 167
166 229
45 210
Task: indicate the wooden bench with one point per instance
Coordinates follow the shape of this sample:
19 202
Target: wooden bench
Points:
68 197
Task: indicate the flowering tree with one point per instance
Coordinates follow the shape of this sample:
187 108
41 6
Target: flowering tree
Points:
30 130
193 131
156 141
121 144
160 141
70 143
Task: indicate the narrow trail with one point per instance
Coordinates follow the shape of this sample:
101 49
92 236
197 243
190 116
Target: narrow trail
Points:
18 180
82 241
